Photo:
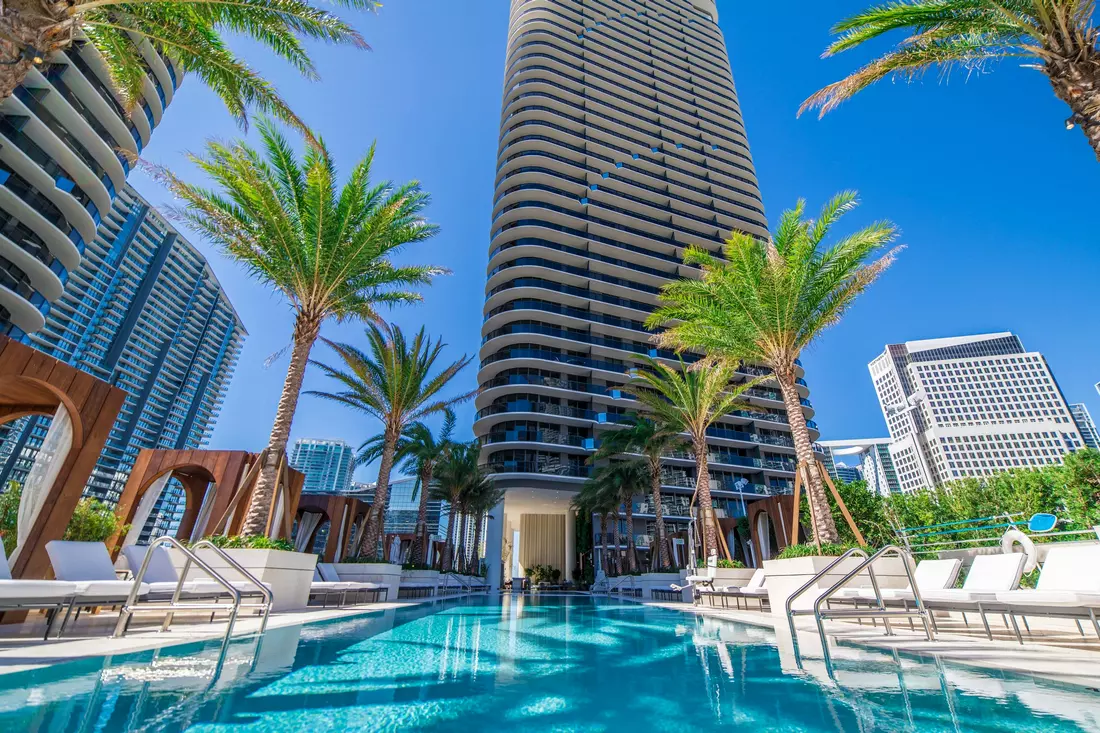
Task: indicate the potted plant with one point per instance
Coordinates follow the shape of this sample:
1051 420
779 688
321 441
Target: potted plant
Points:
273 562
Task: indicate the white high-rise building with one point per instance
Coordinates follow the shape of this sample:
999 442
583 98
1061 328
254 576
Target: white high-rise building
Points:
1085 424
875 462
970 406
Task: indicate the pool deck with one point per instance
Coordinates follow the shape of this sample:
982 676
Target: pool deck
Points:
22 647
1054 650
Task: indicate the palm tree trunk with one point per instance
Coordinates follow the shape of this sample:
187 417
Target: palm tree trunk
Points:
803 448
1077 83
631 551
702 496
372 540
27 21
605 561
659 511
306 329
616 561
477 543
420 540
460 553
448 546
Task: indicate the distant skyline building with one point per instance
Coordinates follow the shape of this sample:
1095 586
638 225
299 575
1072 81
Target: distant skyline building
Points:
1085 424
327 465
970 406
66 142
402 506
873 458
144 312
621 144
848 474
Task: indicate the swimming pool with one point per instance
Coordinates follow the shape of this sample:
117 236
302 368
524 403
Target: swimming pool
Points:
532 664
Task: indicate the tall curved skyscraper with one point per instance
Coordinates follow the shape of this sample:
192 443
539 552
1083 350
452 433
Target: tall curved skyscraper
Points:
621 143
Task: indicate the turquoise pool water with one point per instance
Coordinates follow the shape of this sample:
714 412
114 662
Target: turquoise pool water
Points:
546 664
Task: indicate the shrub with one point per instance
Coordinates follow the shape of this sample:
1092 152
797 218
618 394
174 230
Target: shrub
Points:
9 515
722 563
250 542
94 521
809 549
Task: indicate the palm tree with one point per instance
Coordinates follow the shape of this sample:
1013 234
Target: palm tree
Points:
691 400
594 498
458 476
328 252
394 383
767 301
485 498
652 440
188 33
1057 37
420 450
622 481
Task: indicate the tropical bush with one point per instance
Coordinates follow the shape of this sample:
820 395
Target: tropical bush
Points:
542 574
723 563
808 549
94 521
9 515
250 542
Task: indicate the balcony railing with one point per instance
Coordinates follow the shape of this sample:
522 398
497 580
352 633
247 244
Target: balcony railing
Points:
553 437
548 468
542 408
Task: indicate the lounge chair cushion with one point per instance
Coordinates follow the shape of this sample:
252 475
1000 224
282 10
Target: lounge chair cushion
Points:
29 591
328 572
1039 598
959 595
999 572
1071 568
936 574
107 591
78 561
160 570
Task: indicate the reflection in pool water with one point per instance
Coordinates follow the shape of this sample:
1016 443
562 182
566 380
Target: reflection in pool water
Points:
550 663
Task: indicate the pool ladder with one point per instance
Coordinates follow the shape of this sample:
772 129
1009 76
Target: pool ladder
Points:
877 611
233 606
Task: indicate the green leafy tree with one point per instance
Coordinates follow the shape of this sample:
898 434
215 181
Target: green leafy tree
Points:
94 521
767 301
189 33
868 511
1056 37
652 440
326 250
690 401
9 515
395 382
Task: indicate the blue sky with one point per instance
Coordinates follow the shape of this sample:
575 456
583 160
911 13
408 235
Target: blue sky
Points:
995 199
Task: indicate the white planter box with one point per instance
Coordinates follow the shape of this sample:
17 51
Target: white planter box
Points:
649 582
732 576
784 577
288 573
420 578
387 574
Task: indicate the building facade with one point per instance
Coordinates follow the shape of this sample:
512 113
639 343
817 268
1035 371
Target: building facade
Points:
1084 422
144 312
403 505
970 406
327 464
66 143
876 467
621 144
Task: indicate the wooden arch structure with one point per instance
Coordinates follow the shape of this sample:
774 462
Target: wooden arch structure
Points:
33 383
344 514
230 475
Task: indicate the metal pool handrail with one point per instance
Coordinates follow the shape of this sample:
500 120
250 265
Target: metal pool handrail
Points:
791 613
127 611
269 597
882 611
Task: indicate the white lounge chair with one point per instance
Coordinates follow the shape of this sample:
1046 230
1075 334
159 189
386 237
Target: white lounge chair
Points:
1068 587
162 577
88 565
329 575
325 590
930 576
988 574
51 596
754 589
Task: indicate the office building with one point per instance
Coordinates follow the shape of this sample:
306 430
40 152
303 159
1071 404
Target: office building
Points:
621 144
848 474
66 145
876 467
145 312
970 406
327 464
403 505
1085 424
